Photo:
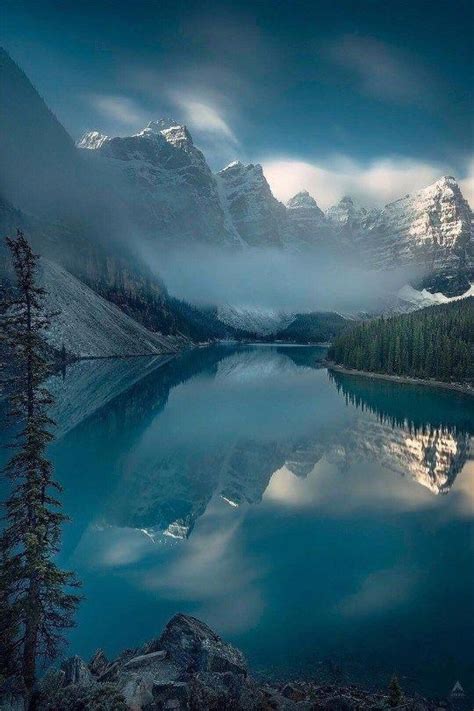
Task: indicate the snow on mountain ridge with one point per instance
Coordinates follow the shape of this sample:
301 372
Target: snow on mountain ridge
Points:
167 185
258 217
174 195
92 140
261 321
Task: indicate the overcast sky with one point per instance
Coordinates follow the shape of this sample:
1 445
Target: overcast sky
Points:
368 98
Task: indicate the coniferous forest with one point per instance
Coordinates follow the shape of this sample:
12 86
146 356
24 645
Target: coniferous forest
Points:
436 342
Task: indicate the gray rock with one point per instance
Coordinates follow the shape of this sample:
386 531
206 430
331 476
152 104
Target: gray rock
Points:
194 647
137 692
99 663
339 702
111 673
76 671
146 659
174 696
293 691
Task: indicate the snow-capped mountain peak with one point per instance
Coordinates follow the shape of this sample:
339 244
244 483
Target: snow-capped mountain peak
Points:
302 200
258 217
178 136
345 212
92 140
162 124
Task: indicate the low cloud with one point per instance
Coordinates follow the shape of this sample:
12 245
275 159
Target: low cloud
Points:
119 109
375 184
203 118
273 279
381 70
467 183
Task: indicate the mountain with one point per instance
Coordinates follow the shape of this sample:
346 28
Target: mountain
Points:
40 165
253 320
410 299
430 230
174 199
307 222
258 217
428 233
166 183
89 326
318 327
70 209
105 209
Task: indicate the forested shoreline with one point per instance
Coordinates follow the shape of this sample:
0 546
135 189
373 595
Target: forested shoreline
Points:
433 343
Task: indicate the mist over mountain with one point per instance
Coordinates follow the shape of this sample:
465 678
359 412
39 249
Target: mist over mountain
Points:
143 221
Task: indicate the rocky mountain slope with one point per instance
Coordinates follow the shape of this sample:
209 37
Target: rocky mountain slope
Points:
258 217
164 180
428 233
101 209
178 200
89 326
71 213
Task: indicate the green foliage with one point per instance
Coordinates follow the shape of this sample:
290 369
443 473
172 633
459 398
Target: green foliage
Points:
36 596
395 694
79 697
436 342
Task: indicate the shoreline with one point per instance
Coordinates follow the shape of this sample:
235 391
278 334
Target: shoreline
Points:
402 379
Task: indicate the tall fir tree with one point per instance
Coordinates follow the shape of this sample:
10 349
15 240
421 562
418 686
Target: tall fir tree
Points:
38 598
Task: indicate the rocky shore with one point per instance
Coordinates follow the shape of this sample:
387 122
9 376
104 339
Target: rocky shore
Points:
190 668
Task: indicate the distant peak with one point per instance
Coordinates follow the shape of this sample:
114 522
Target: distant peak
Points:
162 124
302 199
234 164
447 180
177 135
346 200
92 140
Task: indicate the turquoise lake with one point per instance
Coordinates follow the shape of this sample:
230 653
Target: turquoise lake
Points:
322 523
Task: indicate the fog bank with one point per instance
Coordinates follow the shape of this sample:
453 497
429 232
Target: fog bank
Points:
274 279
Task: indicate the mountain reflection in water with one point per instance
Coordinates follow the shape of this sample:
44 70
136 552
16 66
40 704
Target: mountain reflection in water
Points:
289 507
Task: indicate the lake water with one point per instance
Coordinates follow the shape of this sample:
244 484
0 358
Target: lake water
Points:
322 524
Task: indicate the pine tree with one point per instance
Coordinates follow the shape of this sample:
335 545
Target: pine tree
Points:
38 597
395 694
436 342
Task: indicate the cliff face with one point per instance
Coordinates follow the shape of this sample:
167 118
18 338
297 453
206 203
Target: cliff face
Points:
429 233
431 230
257 217
169 190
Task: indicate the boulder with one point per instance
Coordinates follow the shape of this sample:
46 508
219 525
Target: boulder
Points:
339 702
227 690
76 671
174 696
194 647
111 673
137 692
99 663
293 691
145 660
